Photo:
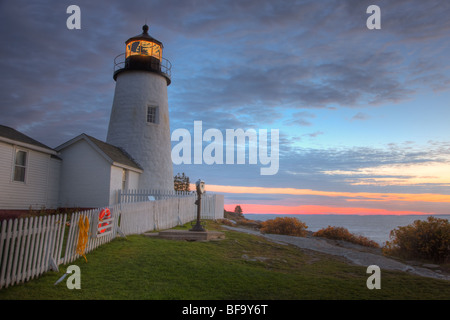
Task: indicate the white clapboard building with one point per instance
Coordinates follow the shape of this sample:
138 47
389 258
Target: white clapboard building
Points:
29 172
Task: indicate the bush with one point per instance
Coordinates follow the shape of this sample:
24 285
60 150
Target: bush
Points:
341 233
428 240
249 223
284 225
226 222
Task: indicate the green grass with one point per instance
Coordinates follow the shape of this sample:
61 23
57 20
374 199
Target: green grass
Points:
141 267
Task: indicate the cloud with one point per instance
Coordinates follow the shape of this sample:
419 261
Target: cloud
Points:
417 21
347 195
55 83
360 116
407 168
314 134
235 65
320 57
428 173
244 63
300 119
317 209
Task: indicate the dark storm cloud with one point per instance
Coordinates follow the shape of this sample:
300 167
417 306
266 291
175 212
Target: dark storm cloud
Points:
305 55
54 81
236 64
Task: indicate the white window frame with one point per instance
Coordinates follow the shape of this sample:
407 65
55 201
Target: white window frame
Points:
124 179
27 155
154 116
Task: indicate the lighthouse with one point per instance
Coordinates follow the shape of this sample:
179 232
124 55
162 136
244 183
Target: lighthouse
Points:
139 121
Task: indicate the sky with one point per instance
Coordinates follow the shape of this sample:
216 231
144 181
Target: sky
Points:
362 114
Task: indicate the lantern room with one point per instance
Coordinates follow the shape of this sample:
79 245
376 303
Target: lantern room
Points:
143 52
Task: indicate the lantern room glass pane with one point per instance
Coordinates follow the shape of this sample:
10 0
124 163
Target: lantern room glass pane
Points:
134 48
143 48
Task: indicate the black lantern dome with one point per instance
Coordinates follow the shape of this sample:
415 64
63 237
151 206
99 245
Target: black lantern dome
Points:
143 52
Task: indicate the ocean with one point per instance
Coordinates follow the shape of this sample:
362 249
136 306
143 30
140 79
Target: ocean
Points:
374 227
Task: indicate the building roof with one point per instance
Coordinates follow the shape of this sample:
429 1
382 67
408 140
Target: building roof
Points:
144 36
10 135
113 154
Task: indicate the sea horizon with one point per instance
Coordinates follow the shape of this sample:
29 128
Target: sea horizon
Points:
376 227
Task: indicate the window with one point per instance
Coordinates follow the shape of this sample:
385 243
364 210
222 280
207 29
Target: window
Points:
20 165
124 179
152 114
144 48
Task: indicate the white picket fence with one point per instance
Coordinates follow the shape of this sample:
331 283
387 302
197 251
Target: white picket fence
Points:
212 204
138 217
163 214
138 195
212 207
24 253
32 246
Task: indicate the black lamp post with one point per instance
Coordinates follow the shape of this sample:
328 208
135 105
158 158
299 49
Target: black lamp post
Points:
200 186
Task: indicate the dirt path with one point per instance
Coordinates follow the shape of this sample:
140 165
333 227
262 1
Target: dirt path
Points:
355 254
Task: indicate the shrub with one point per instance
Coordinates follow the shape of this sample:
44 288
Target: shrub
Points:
341 233
249 223
238 210
284 225
226 222
428 240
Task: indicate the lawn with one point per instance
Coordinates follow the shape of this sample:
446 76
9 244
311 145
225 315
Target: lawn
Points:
240 267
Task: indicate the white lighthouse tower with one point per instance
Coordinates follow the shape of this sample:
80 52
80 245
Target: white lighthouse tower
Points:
139 121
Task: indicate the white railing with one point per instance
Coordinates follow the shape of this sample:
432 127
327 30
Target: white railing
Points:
32 246
162 214
164 66
139 217
212 204
24 254
138 195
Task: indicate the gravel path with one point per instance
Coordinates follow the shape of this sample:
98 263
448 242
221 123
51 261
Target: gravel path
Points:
356 254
